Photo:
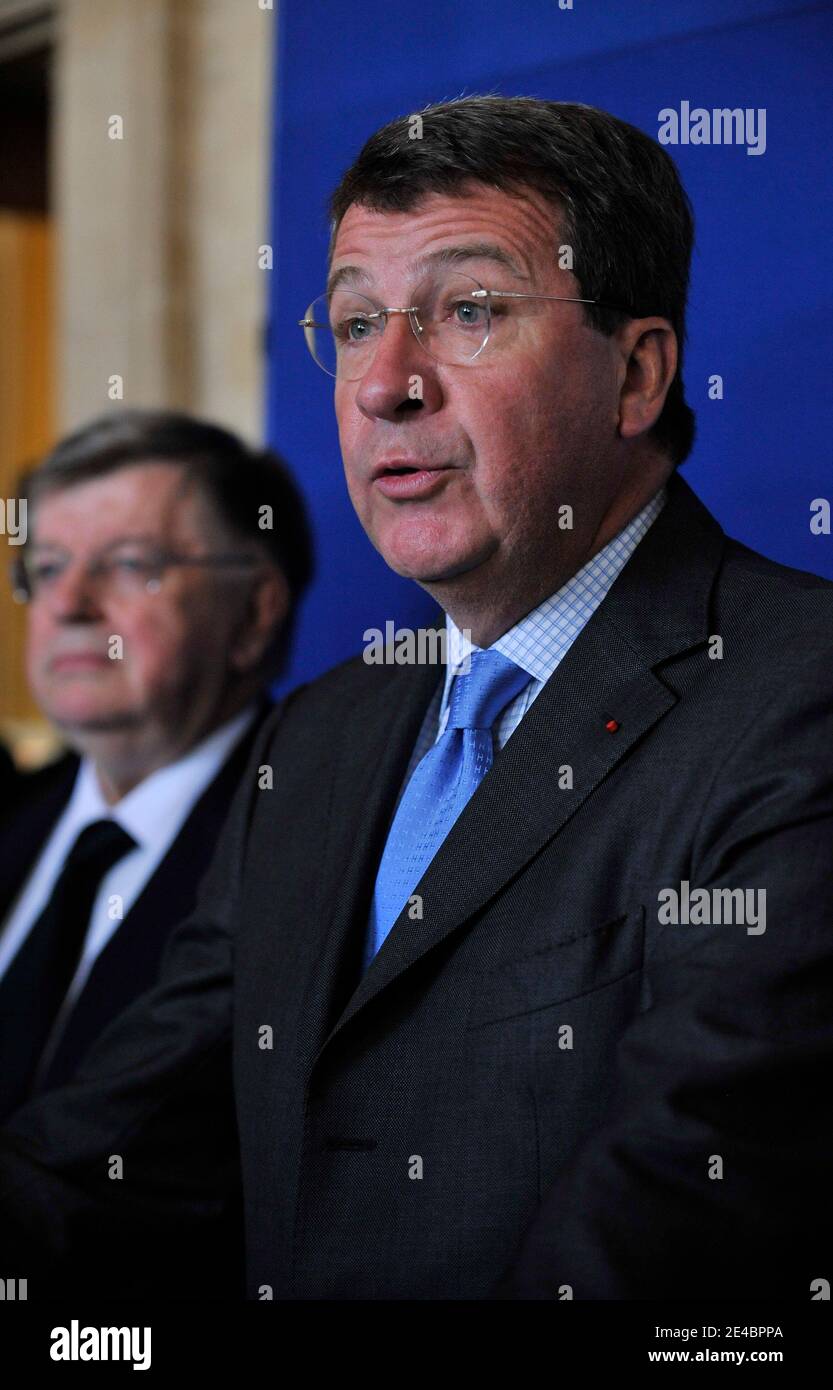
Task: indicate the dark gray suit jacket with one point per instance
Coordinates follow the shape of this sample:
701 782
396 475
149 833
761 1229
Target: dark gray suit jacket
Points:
540 1089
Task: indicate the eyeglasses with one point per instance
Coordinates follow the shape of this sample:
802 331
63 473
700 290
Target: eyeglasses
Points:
123 573
451 317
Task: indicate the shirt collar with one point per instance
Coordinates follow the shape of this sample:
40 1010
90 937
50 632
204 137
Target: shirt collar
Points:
541 639
155 809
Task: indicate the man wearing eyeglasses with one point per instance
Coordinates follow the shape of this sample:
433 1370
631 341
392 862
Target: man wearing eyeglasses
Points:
476 1053
158 610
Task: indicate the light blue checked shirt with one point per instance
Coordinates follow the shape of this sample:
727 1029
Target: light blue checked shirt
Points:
540 640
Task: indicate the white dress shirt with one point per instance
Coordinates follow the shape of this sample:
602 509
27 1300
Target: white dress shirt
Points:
153 813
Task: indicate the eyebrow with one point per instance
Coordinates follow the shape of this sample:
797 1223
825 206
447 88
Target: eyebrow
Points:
134 538
446 255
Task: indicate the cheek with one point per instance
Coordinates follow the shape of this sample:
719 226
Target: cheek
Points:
515 436
351 446
530 429
347 417
155 647
511 406
38 636
360 494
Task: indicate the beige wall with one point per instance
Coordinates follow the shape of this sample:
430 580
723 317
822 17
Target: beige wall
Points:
157 273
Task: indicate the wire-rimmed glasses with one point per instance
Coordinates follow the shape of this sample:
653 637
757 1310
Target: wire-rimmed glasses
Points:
125 570
451 317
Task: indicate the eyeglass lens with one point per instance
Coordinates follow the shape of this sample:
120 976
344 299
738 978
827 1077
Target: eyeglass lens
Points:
346 327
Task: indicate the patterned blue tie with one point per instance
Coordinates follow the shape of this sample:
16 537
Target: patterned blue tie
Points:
441 784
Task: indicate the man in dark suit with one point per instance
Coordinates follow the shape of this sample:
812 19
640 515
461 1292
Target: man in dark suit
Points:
524 965
144 526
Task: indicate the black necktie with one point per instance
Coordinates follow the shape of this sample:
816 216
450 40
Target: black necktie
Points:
35 984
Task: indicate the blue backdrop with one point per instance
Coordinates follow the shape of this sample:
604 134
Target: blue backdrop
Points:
760 308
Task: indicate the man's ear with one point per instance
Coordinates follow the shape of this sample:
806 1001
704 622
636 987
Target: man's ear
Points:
266 612
649 357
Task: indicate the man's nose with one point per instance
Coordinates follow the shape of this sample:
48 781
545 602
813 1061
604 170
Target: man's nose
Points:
73 595
401 376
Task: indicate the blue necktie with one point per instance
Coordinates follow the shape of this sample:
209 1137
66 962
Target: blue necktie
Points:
442 783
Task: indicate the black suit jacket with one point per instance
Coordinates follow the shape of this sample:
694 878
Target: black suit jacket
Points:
9 778
129 963
127 967
539 1089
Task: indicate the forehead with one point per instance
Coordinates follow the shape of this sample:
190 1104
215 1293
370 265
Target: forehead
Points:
522 228
139 499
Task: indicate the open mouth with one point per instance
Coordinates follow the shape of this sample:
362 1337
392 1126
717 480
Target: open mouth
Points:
404 468
398 468
410 480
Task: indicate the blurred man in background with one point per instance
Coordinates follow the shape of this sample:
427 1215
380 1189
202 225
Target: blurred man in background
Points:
161 573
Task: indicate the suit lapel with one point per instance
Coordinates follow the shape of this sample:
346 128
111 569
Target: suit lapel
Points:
608 674
129 962
371 767
27 827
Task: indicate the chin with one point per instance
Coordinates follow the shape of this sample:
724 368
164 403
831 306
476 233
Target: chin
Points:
430 553
433 565
79 716
424 571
